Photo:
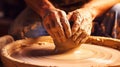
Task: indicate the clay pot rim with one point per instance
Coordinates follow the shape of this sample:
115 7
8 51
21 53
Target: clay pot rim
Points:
6 55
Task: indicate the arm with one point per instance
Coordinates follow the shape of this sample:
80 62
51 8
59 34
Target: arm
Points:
83 17
98 7
40 6
54 20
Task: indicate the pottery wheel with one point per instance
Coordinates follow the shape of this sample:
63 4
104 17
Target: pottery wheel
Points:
86 55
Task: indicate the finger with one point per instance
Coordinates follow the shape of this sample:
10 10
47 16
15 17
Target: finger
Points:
77 19
80 38
56 26
75 36
61 36
70 19
84 40
56 34
54 31
66 25
46 24
75 27
69 16
48 28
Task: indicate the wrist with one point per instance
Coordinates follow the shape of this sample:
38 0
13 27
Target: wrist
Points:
89 11
92 12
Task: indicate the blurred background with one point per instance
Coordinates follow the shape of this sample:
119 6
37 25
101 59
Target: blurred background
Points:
9 10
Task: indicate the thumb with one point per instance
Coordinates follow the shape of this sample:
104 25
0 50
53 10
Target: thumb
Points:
69 16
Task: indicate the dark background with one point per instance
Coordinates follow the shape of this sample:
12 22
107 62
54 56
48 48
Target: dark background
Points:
9 10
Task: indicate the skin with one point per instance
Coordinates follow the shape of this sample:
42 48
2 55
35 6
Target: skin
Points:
54 20
82 24
57 22
57 25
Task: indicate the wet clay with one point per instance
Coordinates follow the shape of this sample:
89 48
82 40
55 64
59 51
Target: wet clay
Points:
32 53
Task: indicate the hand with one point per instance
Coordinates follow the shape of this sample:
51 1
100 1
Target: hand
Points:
57 25
82 24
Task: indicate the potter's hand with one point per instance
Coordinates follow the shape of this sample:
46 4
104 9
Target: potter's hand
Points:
81 20
57 25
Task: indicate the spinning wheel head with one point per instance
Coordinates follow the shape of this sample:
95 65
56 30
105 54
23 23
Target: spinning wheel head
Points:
32 53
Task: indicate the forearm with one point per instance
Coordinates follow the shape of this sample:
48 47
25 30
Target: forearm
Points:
40 6
98 7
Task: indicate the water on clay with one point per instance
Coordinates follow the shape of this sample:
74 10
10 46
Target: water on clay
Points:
87 55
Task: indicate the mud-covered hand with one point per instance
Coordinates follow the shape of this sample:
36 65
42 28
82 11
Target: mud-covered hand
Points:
81 20
57 25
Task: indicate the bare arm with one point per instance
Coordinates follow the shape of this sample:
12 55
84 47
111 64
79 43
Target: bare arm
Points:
83 17
40 6
98 7
54 20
